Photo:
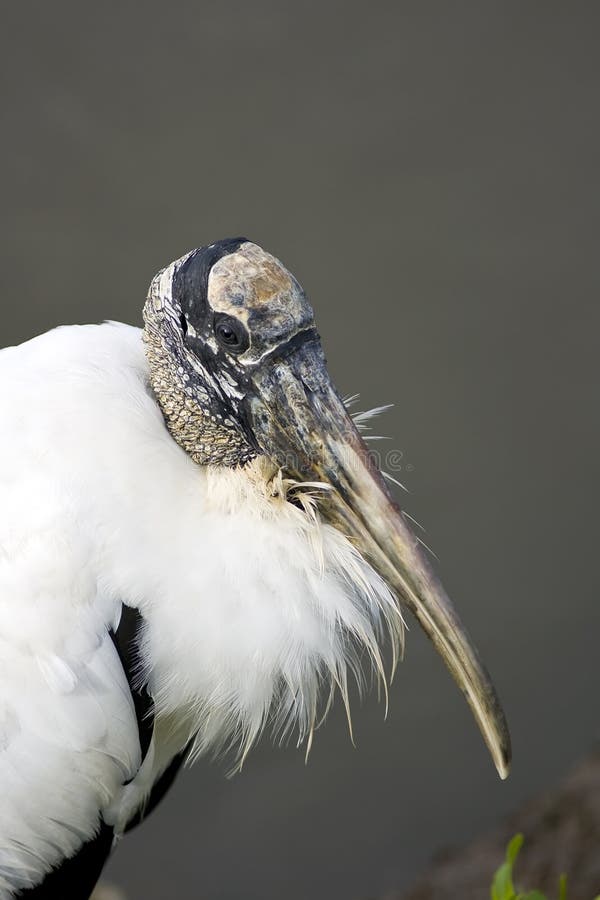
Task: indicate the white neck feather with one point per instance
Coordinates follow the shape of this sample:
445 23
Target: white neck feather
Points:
297 607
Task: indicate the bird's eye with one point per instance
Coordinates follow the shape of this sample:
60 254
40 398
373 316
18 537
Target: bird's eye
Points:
231 334
183 323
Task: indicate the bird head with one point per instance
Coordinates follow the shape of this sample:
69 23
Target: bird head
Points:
238 369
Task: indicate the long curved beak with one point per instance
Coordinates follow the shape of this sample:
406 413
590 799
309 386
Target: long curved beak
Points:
299 421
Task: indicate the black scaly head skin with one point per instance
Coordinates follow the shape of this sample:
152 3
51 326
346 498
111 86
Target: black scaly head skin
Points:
198 319
187 373
190 282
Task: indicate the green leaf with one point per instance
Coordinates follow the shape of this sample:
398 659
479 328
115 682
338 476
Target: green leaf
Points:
502 886
512 851
562 887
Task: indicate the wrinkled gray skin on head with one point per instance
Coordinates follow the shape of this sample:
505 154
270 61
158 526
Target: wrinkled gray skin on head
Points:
257 289
199 383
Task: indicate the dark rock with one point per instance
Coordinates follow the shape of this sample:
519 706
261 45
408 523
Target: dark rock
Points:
562 834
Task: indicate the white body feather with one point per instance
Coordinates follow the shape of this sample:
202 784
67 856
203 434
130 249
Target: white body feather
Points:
249 602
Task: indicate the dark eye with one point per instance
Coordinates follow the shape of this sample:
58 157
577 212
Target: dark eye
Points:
183 323
231 334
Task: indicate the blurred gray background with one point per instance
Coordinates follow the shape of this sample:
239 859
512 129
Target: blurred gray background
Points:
429 172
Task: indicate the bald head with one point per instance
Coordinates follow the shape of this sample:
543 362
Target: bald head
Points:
236 285
212 319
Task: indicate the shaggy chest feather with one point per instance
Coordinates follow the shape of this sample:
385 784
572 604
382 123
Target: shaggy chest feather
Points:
271 606
253 608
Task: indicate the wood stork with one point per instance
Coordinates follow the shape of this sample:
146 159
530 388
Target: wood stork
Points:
194 542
